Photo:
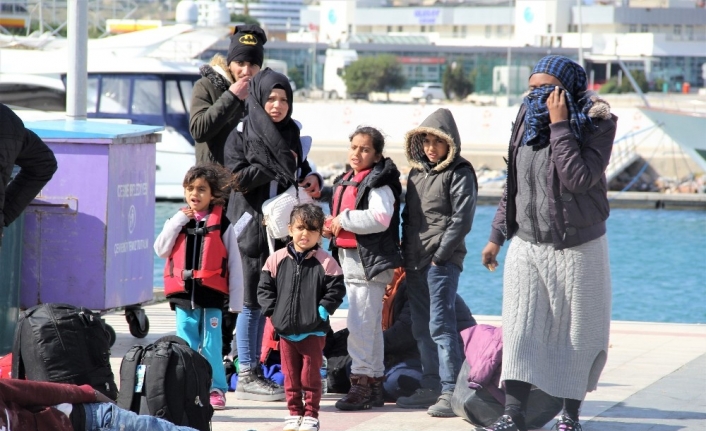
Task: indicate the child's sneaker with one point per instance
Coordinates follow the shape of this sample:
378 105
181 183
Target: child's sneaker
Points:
291 423
218 400
567 424
309 424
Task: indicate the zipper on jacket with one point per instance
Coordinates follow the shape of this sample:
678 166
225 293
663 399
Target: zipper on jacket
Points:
533 202
295 294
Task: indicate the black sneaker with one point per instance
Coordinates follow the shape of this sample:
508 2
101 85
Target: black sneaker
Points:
422 398
251 387
504 423
442 408
567 424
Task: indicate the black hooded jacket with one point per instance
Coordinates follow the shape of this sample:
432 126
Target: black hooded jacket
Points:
22 147
440 199
379 251
259 155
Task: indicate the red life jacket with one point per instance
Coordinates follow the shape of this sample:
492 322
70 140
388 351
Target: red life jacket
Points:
345 198
213 269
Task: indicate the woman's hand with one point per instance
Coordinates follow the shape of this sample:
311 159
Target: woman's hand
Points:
489 255
311 186
556 103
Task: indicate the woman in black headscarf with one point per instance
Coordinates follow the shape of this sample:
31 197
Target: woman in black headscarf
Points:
556 286
266 158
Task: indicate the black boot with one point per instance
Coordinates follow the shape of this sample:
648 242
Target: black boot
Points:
358 397
376 397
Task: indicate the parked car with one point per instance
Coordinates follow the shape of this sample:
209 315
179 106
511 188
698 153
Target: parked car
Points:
427 91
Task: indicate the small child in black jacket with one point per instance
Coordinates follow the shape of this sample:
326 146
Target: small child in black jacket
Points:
300 286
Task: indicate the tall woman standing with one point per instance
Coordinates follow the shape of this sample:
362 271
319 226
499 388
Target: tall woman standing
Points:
556 284
266 159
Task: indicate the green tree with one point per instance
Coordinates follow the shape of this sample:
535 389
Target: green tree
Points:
612 85
245 19
455 82
374 73
295 74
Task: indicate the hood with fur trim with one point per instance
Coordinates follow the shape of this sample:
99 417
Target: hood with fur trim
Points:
600 108
440 123
217 73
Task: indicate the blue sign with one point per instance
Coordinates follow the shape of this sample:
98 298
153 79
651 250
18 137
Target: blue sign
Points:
427 16
529 15
332 16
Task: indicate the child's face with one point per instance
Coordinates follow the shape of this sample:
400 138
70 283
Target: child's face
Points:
277 105
435 148
302 238
362 155
198 194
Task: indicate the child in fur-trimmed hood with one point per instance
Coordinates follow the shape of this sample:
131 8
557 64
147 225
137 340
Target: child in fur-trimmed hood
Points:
440 204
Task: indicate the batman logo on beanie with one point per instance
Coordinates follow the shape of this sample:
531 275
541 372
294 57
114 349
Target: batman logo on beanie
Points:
246 44
248 39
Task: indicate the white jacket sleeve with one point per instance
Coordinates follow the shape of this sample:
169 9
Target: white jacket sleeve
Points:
376 218
235 271
164 243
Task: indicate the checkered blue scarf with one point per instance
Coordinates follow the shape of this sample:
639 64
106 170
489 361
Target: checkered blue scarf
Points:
573 79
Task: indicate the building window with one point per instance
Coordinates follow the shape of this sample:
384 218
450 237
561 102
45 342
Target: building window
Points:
690 32
455 30
423 28
677 29
499 30
389 29
644 28
431 28
488 31
549 28
632 28
399 28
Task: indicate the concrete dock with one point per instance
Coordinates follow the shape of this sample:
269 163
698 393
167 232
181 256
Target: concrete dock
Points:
655 380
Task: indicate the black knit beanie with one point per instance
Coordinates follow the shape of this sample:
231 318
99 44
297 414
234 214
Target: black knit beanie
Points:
247 44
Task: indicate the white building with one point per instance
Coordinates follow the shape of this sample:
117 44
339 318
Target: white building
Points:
275 16
665 38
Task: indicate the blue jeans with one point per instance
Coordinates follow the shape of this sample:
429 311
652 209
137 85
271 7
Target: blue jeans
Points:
248 336
432 298
391 387
201 328
109 417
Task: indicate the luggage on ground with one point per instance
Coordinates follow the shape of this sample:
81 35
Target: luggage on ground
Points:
64 344
169 380
479 407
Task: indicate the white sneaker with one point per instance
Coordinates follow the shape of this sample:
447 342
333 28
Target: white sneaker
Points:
291 423
309 424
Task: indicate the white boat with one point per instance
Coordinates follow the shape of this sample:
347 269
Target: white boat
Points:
124 84
686 128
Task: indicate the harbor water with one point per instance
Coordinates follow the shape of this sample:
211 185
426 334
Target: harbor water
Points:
657 257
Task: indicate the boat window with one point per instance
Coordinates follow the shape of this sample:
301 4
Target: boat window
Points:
115 95
92 95
148 97
186 88
174 102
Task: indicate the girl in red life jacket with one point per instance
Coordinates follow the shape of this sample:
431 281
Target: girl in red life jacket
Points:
365 229
203 268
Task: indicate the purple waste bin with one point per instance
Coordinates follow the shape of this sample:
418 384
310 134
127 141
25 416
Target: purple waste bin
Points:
88 236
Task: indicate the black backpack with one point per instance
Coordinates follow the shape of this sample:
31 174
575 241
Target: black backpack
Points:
64 344
175 384
338 362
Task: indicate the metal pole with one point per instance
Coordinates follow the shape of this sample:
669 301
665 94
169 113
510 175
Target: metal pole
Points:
77 74
509 55
580 29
